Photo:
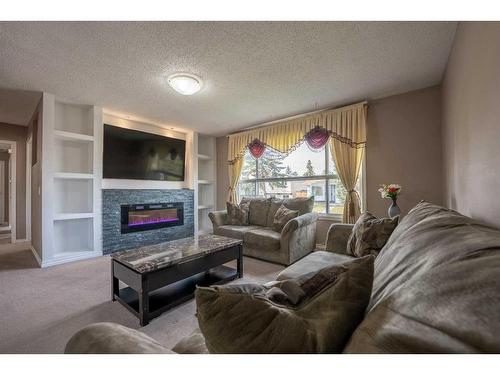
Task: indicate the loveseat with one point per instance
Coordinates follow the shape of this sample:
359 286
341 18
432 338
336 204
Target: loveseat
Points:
436 289
297 239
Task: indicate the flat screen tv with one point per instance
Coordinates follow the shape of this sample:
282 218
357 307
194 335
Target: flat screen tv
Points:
136 155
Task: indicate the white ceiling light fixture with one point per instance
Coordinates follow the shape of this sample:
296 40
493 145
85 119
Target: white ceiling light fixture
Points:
185 83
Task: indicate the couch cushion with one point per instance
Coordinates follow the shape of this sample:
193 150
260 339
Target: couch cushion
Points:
262 238
234 231
315 313
192 344
112 338
283 215
436 287
303 205
273 207
370 234
313 262
259 209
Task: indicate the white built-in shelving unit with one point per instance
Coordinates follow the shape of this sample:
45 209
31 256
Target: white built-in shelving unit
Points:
205 180
72 182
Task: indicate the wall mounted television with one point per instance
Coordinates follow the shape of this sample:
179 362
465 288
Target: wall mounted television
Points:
136 155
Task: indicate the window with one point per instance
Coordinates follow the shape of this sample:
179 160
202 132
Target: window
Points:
301 173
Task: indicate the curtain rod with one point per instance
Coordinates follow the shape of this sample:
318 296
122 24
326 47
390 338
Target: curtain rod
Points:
365 102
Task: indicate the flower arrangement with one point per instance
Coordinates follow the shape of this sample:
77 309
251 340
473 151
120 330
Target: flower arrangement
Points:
390 191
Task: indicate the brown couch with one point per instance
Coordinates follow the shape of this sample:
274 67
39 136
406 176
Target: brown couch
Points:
436 290
297 239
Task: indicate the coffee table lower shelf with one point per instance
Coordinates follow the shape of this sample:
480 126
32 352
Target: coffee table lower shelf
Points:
167 297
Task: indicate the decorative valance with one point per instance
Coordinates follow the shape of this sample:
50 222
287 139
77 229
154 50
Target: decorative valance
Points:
346 124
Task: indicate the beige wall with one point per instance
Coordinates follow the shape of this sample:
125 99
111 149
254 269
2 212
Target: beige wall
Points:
18 134
404 147
471 122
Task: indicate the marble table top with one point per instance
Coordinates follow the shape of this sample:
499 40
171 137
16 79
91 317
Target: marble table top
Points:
153 257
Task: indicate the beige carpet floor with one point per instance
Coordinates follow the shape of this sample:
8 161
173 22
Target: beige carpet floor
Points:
40 309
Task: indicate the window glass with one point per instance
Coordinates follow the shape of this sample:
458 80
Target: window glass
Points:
249 168
301 173
304 162
247 189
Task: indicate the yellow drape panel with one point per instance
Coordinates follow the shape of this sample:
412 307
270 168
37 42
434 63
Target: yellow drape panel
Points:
348 162
346 124
234 176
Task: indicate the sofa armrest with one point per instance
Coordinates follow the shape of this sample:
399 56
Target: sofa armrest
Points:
112 338
298 237
218 218
337 237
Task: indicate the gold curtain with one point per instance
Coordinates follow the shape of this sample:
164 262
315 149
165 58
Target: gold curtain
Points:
347 124
347 129
348 162
234 177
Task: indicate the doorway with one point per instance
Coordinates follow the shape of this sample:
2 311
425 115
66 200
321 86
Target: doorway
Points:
7 192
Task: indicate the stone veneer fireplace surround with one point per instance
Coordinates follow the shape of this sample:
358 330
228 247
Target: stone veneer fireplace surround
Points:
112 201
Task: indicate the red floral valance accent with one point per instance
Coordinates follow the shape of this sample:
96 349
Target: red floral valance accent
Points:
256 148
317 138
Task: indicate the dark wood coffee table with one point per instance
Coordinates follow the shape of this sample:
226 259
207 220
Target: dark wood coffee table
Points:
161 276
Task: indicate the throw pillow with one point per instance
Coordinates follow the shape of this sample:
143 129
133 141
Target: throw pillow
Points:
259 208
237 215
314 313
370 234
282 216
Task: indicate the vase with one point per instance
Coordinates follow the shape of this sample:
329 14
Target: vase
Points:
394 209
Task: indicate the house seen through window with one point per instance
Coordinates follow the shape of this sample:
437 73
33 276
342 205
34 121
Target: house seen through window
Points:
301 173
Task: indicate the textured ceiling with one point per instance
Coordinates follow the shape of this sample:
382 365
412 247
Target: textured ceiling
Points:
17 106
253 71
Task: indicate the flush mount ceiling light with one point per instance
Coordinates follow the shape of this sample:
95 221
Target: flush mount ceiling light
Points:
185 83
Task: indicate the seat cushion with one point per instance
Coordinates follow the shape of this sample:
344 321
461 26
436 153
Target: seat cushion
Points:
313 262
315 313
262 238
436 288
234 231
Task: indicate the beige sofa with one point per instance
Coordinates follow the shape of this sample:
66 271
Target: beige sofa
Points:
436 290
297 239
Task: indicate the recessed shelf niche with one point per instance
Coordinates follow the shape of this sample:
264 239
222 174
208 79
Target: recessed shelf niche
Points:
73 156
74 118
73 196
73 236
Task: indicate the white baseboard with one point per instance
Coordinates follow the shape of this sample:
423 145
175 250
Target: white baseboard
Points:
70 258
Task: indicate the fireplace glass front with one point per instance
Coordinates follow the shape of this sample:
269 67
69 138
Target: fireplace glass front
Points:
140 217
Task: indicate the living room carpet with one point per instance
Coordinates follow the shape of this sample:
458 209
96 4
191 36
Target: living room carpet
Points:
40 309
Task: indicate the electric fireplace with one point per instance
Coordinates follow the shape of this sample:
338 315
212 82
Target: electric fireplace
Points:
140 217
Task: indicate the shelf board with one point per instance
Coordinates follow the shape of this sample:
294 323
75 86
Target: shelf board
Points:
204 157
73 136
84 215
205 207
205 182
85 176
